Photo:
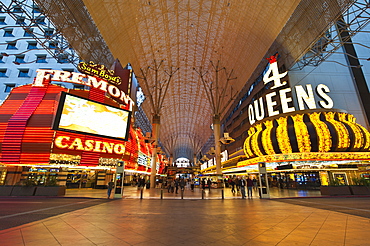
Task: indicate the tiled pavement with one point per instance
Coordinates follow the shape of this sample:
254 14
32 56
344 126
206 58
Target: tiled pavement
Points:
134 193
197 222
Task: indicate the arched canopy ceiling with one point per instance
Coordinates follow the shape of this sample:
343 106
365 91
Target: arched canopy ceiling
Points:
185 34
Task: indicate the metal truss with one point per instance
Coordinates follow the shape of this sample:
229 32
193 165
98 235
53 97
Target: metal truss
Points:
32 20
354 20
142 121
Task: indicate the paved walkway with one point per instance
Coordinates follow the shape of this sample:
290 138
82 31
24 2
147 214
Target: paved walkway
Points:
210 221
135 193
154 222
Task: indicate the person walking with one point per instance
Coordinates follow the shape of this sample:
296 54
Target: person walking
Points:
209 184
242 187
249 186
255 183
182 184
232 184
177 185
237 184
192 184
170 184
110 188
203 184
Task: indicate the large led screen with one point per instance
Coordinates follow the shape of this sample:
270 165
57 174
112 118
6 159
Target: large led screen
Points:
77 114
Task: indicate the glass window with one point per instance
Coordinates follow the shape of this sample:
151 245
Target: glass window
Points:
11 46
78 87
2 21
36 9
20 20
32 45
28 32
19 59
41 59
3 73
40 20
17 9
53 45
9 87
23 73
1 59
68 69
8 33
63 59
48 32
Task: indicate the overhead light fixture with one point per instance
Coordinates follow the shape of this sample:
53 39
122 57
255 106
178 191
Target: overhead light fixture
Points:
204 158
226 139
211 151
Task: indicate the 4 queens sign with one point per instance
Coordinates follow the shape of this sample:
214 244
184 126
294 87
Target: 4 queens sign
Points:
281 100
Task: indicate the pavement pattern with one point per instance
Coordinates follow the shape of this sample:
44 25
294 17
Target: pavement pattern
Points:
234 221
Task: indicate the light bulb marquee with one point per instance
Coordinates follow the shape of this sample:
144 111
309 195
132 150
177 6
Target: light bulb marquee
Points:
306 134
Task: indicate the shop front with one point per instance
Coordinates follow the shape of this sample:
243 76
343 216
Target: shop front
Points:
322 148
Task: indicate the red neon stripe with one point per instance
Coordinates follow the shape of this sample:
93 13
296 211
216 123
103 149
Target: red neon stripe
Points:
12 142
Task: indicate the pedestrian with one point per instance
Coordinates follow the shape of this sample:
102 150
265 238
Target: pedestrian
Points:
209 183
192 184
232 184
237 184
141 183
203 184
249 186
110 188
254 183
177 185
182 184
242 187
169 186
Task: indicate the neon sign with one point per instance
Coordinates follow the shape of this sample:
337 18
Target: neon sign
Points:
99 71
65 142
83 79
305 96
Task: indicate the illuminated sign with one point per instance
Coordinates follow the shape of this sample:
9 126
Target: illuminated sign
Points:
83 79
77 114
143 159
224 156
65 142
305 96
99 71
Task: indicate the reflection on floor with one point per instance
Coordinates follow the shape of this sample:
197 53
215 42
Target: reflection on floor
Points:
135 193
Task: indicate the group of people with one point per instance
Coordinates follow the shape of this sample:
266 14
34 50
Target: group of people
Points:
240 183
174 184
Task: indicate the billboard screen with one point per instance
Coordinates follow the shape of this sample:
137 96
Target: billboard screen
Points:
77 114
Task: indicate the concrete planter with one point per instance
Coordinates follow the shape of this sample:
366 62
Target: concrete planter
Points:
23 191
342 190
50 191
359 190
6 190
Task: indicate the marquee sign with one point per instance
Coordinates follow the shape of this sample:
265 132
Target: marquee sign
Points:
83 79
99 71
65 142
305 96
143 159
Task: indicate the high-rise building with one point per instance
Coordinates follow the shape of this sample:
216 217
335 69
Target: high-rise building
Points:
28 41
